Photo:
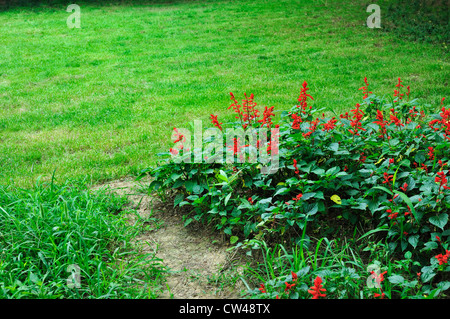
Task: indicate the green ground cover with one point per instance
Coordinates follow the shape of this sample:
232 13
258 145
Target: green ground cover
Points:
100 101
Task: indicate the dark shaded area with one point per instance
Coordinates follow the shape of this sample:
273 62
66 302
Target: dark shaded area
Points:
417 20
12 4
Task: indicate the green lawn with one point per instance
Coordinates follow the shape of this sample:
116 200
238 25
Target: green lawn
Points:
101 101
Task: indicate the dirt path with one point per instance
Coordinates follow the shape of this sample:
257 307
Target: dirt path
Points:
197 258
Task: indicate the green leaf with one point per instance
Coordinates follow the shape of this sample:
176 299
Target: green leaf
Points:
383 189
227 199
197 189
233 239
381 228
265 201
189 186
188 221
311 209
319 171
427 273
178 199
282 190
430 246
439 220
334 147
417 216
307 196
222 176
413 240
396 279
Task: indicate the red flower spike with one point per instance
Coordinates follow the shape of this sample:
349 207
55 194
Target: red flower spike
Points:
295 166
364 88
442 180
267 117
331 124
443 259
404 187
288 287
262 289
431 153
216 122
294 276
317 289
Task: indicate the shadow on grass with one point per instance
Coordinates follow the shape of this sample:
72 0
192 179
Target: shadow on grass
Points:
6 5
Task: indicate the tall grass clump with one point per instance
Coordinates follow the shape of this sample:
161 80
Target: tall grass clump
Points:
67 241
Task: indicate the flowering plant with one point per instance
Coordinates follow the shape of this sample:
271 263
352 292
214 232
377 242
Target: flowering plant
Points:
382 166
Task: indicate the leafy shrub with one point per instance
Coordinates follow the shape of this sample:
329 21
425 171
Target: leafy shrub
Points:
381 168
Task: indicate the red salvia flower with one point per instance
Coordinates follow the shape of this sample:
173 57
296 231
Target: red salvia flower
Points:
298 197
179 137
387 178
288 287
216 122
443 259
331 124
262 289
317 290
404 187
294 276
364 88
377 295
395 119
392 215
297 120
397 92
312 128
302 99
356 120
431 153
267 117
295 166
381 122
344 116
442 180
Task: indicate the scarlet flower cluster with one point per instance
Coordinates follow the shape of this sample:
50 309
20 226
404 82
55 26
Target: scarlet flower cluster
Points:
395 119
379 278
317 289
356 120
267 117
387 178
216 122
312 128
431 153
297 120
442 180
178 138
382 123
303 97
295 166
397 92
245 112
331 124
443 259
444 122
364 88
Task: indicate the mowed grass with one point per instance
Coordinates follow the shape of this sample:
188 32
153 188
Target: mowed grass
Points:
101 101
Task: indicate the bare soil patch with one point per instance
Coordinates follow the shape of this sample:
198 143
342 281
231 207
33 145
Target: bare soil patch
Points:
199 260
